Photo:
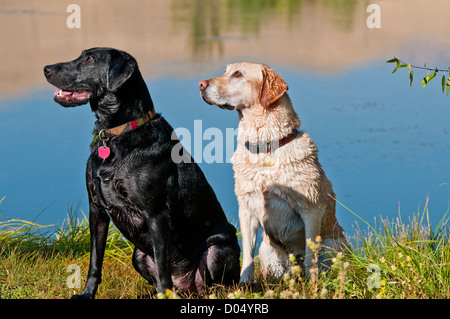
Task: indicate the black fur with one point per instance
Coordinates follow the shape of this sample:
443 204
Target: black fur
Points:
167 210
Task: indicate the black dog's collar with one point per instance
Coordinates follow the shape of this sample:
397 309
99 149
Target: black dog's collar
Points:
268 147
104 133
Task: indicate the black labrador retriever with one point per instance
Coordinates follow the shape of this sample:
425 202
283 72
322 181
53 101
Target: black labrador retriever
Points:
166 208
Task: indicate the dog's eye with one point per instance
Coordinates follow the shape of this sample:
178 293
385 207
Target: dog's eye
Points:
237 74
89 59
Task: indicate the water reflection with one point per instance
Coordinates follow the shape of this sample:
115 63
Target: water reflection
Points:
211 23
191 37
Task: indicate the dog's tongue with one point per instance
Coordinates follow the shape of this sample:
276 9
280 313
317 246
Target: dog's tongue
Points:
60 92
76 97
82 94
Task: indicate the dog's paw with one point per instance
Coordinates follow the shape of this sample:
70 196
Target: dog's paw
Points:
82 296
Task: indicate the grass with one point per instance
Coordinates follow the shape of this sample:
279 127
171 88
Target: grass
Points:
392 259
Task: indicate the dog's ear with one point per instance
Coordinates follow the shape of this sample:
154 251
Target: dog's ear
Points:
121 68
273 86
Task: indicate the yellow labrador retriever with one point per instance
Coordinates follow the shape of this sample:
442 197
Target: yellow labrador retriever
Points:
280 184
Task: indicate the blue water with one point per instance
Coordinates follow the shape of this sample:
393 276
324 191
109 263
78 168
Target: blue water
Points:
385 146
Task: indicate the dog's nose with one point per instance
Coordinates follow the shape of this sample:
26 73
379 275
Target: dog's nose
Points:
48 70
203 85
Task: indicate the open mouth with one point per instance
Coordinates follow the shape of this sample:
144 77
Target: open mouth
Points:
72 98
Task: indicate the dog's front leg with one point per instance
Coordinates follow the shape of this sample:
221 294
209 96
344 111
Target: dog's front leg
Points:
249 231
98 226
312 221
159 229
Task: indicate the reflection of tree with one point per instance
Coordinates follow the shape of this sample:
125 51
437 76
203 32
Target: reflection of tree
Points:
205 32
343 11
212 21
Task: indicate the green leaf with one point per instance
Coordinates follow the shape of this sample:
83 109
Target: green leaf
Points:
425 80
428 78
432 76
409 67
447 89
443 83
397 67
411 74
394 60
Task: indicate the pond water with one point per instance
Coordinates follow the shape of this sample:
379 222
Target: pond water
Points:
384 145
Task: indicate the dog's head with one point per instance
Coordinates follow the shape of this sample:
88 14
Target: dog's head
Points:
244 85
95 72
